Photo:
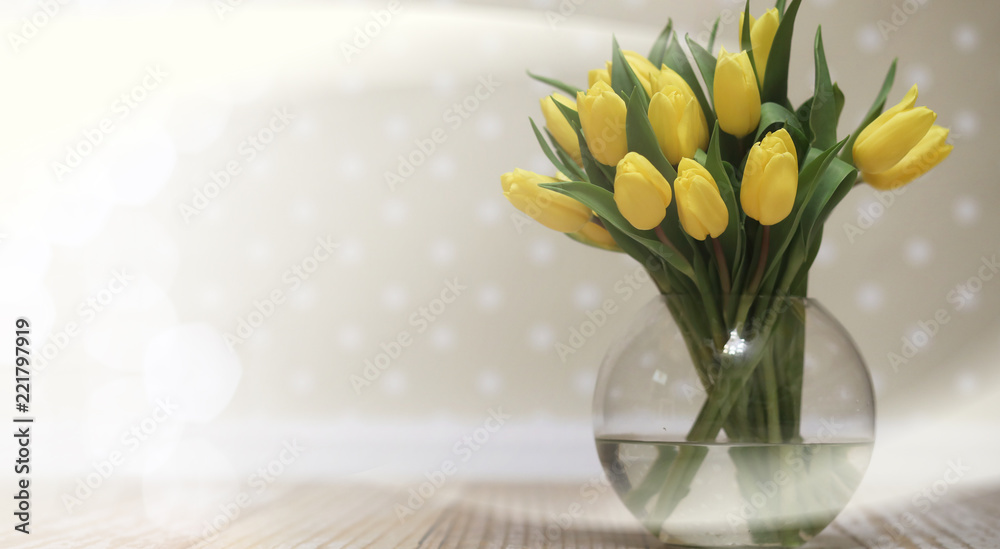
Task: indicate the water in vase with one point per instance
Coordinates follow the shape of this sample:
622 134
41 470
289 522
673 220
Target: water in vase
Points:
734 495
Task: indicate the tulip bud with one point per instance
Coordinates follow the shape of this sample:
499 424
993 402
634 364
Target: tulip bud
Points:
598 75
700 207
602 115
737 99
550 208
762 33
559 127
678 122
770 179
930 152
598 236
885 142
641 66
641 192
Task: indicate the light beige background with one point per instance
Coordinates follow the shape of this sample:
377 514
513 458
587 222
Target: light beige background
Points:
323 176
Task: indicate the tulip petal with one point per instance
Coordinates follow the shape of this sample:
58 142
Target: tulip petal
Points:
777 195
638 201
700 207
931 151
908 102
552 209
737 99
602 117
887 146
560 128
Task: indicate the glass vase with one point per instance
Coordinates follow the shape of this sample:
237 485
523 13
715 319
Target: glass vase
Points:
746 428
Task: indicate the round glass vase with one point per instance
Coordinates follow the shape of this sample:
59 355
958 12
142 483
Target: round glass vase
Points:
745 422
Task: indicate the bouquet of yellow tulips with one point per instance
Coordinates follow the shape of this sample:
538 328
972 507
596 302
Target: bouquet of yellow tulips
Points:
755 176
721 192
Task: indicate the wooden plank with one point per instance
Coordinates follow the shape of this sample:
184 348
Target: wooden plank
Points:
483 516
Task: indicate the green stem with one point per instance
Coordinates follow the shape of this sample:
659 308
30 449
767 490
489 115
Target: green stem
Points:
765 245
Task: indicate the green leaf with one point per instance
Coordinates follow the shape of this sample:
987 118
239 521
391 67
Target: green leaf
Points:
623 78
715 32
660 46
775 87
838 196
780 4
556 161
732 239
603 203
823 118
677 60
829 186
571 90
706 64
873 113
773 113
642 139
802 115
839 100
745 42
782 233
567 160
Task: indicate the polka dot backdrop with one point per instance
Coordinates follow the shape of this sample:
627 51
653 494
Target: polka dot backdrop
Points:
268 261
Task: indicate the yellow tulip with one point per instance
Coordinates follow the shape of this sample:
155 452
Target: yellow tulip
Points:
558 125
554 210
770 179
667 77
889 138
598 236
737 99
678 122
641 192
761 37
641 66
699 205
602 115
598 75
930 152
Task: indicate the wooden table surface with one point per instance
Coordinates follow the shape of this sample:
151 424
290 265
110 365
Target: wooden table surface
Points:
487 516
